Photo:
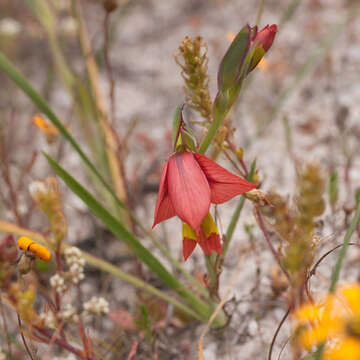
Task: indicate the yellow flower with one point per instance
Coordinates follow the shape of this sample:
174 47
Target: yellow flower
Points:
334 322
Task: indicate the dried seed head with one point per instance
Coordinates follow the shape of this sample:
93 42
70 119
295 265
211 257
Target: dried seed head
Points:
193 60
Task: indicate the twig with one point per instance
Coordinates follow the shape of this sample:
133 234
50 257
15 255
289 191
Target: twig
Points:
261 223
23 337
277 332
109 69
218 308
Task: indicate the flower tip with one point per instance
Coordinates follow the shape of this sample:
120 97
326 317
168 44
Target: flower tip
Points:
188 247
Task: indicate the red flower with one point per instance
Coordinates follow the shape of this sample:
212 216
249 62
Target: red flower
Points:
266 37
189 183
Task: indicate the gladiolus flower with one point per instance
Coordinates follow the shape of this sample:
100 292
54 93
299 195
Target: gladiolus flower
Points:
189 183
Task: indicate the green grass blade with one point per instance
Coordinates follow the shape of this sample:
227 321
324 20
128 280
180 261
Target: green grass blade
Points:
42 105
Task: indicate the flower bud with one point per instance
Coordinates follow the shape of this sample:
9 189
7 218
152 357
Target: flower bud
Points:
265 37
263 41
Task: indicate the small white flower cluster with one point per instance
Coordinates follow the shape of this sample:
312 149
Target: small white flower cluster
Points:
9 27
58 283
96 306
49 319
76 264
68 313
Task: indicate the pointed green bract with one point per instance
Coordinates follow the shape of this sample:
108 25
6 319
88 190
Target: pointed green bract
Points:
231 64
176 123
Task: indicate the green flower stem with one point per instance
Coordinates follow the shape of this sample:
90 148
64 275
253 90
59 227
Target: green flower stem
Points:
218 119
233 222
236 215
342 253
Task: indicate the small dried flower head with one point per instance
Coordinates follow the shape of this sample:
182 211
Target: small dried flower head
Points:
37 189
96 306
68 313
110 5
48 199
49 320
9 27
58 283
76 263
68 26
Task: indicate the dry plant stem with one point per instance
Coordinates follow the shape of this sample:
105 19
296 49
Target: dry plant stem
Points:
23 337
277 333
241 161
60 342
313 270
260 12
52 340
83 338
109 70
219 307
110 140
261 223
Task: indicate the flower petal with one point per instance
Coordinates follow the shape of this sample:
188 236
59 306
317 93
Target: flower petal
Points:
223 184
164 209
188 189
214 243
203 242
188 247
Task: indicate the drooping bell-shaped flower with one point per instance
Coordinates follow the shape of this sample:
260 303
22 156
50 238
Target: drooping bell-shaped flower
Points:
189 183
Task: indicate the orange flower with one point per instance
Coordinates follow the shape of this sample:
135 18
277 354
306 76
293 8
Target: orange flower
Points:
334 322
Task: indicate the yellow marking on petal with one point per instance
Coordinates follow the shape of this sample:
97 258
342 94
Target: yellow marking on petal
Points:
208 226
189 232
